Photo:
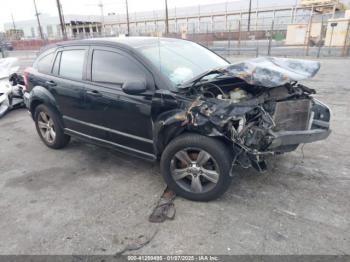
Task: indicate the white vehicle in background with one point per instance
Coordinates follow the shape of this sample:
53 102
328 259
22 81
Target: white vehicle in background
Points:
11 85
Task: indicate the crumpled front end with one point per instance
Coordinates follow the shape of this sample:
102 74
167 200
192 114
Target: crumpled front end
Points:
256 120
261 126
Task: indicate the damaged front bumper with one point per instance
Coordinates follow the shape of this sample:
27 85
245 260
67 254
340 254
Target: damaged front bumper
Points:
282 141
288 138
317 129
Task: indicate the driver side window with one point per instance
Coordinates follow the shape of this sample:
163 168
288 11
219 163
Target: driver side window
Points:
110 67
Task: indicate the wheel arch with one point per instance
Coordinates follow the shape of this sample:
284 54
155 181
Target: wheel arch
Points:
168 133
40 95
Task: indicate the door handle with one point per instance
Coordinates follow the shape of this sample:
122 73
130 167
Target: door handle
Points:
94 93
50 83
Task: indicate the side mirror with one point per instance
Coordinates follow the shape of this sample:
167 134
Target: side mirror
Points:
134 87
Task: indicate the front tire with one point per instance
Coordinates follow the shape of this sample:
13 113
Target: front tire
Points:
197 167
49 128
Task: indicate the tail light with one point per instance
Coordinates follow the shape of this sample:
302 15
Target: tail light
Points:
26 80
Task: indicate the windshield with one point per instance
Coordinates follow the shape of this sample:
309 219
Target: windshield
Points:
181 60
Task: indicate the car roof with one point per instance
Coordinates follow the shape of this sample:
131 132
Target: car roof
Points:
131 43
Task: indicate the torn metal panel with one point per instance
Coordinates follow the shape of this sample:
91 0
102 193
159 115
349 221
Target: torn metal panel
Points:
272 71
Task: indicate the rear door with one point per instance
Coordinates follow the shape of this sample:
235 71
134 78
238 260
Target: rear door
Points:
125 118
68 85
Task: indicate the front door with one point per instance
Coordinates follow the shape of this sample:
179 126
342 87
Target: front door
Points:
125 118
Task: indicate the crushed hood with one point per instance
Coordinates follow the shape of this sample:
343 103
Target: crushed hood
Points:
272 71
265 71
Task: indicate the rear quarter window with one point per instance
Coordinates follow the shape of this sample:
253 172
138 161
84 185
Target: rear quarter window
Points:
44 63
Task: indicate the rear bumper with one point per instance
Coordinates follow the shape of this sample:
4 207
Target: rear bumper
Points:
26 98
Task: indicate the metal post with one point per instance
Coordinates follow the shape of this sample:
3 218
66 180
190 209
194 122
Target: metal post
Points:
226 16
271 33
38 19
321 38
308 33
199 19
256 27
175 17
100 5
187 25
14 26
346 39
229 41
60 14
249 11
13 22
166 18
270 38
127 17
207 37
229 36
256 19
331 39
239 37
330 42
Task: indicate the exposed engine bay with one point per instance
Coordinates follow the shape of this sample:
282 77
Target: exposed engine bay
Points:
259 120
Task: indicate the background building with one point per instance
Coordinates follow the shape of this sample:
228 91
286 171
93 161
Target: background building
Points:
75 24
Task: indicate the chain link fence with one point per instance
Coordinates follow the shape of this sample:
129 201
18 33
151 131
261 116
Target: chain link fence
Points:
288 32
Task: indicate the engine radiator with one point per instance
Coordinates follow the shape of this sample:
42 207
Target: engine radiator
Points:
292 115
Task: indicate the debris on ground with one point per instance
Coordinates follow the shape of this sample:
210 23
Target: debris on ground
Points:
139 243
165 208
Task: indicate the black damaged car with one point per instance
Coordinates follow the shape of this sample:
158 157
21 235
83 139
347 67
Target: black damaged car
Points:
175 101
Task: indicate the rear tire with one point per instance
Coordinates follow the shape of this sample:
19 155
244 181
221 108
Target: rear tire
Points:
49 127
197 167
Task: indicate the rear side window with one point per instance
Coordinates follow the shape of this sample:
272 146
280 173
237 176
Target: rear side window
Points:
114 68
72 64
44 65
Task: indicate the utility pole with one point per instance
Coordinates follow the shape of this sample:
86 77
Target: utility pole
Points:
127 16
249 12
100 5
14 26
60 14
37 17
166 18
13 22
